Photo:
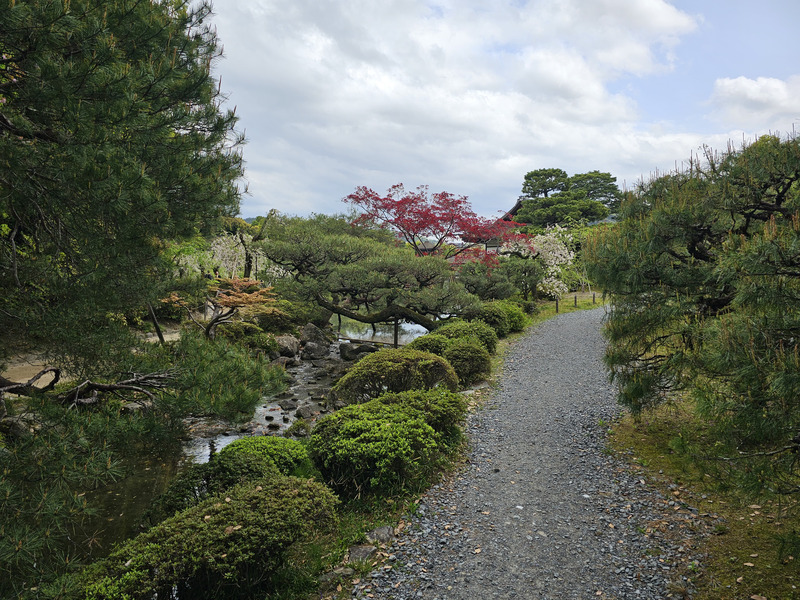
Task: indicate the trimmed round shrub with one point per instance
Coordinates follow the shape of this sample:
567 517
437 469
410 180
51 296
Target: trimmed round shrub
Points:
197 482
493 315
471 361
287 455
374 449
226 546
465 329
393 370
443 410
430 342
516 316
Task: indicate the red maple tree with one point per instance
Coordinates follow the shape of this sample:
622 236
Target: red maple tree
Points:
438 223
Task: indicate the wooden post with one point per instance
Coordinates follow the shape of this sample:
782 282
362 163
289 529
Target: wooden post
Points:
556 305
593 302
396 332
576 300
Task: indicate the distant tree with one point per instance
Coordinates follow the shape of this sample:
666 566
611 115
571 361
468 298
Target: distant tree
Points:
543 182
600 187
562 208
551 197
431 224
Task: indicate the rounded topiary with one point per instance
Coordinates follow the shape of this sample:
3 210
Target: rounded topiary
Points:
493 315
226 546
287 455
197 482
430 342
516 316
464 329
374 448
470 360
393 370
443 410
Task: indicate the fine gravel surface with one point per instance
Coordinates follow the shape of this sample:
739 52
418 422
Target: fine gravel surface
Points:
542 510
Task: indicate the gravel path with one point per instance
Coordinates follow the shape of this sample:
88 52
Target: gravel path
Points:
541 511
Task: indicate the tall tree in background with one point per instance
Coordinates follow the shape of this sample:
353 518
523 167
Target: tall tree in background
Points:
113 139
550 197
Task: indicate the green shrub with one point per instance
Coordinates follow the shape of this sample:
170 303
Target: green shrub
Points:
225 547
393 370
195 483
443 410
375 448
463 329
471 361
516 316
431 342
493 315
287 455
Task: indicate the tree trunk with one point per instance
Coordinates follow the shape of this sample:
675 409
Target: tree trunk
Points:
155 324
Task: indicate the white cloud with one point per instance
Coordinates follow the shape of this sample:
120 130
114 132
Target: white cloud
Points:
753 103
464 95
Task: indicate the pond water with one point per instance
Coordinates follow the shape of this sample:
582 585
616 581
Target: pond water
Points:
382 332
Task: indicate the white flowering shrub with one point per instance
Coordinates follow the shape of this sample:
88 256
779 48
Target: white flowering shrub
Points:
553 249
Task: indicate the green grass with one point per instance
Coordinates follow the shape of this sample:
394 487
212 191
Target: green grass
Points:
742 546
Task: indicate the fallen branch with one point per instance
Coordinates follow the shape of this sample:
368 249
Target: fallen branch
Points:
27 388
87 392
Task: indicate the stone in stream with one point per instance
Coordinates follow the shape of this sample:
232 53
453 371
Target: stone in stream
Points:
288 345
313 350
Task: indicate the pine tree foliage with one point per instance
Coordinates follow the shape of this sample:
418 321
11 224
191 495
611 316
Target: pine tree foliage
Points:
112 139
704 273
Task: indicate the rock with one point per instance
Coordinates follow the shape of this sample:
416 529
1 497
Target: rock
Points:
288 403
337 573
288 345
304 412
381 535
362 552
284 361
313 350
313 334
355 351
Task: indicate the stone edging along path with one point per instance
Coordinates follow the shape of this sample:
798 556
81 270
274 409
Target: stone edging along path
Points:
541 510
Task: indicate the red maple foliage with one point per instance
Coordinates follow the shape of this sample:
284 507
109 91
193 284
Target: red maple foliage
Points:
438 223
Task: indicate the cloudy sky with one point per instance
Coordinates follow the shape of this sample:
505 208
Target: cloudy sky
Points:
467 96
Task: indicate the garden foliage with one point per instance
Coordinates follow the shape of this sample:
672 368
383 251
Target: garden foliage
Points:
703 274
394 370
477 329
227 546
375 448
